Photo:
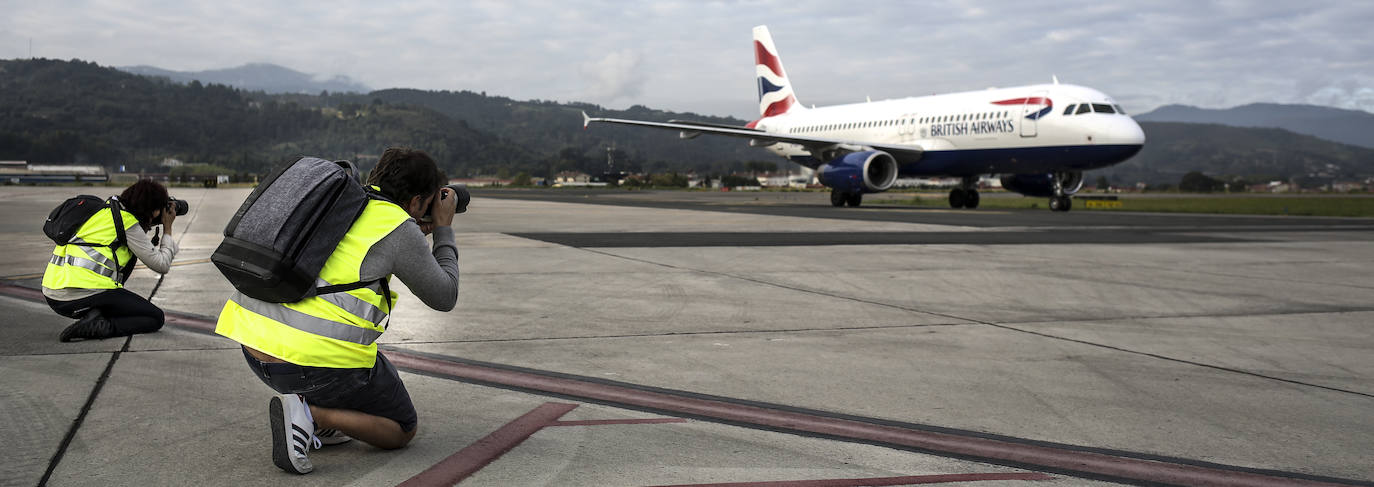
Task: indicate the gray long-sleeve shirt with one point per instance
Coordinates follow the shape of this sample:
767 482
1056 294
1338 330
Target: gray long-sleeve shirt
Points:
434 281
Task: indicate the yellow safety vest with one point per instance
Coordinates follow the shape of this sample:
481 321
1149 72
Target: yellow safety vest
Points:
77 266
337 330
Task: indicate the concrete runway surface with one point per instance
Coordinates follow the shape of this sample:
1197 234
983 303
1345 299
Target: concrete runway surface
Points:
755 339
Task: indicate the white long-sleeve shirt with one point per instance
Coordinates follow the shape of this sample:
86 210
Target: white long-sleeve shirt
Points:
157 259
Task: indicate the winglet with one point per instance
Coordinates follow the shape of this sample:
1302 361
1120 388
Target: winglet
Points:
585 120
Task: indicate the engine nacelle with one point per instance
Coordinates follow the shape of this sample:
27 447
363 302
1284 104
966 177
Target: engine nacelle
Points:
859 172
1042 185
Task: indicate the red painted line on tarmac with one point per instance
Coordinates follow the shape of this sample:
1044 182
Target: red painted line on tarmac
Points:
909 480
22 292
599 422
469 460
1055 459
1087 463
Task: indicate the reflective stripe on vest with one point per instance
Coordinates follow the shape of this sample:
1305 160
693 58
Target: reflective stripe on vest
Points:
99 258
307 323
337 330
88 264
352 304
86 267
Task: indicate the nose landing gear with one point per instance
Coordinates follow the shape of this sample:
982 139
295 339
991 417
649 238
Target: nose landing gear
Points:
1065 184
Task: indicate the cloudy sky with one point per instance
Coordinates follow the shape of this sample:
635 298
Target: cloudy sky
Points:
696 55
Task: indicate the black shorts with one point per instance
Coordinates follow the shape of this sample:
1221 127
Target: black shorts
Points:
377 391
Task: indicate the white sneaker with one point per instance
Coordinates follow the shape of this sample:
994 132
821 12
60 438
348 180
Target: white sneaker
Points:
292 433
331 436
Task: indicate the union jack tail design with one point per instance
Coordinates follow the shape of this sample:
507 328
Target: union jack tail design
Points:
775 92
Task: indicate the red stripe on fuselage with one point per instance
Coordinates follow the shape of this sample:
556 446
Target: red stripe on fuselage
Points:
1039 100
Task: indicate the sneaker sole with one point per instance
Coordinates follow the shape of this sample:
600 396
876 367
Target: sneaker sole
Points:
279 437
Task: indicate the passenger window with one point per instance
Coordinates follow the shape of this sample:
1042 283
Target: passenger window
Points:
1069 109
1084 108
1103 108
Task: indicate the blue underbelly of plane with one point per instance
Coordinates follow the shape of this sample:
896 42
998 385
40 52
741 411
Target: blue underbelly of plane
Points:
973 162
1021 160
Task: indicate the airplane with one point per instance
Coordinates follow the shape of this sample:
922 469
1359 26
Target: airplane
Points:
1039 138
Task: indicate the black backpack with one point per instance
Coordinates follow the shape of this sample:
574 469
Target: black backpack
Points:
68 218
280 238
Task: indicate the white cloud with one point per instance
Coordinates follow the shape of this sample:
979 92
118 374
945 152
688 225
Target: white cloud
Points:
688 54
616 76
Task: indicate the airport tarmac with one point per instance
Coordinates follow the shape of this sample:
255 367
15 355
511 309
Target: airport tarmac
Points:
676 338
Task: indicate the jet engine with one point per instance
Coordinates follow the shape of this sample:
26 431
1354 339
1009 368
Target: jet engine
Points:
1043 184
859 172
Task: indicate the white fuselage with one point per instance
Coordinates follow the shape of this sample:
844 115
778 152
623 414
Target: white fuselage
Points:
1021 129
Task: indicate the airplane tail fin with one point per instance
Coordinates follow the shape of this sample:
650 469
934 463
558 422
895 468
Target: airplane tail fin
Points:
775 92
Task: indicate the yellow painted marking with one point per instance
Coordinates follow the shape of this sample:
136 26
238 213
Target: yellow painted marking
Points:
1102 204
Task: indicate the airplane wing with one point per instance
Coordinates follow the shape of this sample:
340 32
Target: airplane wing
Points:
823 149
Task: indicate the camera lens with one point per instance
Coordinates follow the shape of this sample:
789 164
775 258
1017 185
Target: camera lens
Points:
464 198
180 206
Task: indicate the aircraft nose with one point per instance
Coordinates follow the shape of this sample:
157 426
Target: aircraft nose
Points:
1125 131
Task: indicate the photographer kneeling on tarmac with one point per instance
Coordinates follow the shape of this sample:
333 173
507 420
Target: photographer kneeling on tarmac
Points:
96 245
319 352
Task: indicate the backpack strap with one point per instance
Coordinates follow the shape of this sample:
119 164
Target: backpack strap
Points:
338 288
120 237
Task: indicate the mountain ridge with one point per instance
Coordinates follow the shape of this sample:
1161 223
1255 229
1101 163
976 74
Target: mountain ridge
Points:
265 77
1353 127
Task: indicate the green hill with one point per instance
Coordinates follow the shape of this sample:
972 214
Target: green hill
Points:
60 111
1173 149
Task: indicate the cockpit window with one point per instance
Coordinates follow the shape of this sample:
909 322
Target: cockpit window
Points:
1084 108
1069 110
1119 110
1103 108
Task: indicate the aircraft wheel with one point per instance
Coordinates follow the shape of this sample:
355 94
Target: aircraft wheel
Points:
855 199
837 198
1060 203
1068 203
971 199
957 197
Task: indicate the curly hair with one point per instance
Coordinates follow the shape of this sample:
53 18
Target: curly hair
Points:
143 198
404 173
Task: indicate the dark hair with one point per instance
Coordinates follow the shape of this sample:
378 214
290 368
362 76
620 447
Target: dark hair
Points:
404 173
143 198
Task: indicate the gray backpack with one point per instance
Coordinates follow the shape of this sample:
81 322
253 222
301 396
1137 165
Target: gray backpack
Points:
281 236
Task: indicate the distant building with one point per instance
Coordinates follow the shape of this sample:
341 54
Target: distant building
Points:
572 177
1348 186
480 182
787 180
21 172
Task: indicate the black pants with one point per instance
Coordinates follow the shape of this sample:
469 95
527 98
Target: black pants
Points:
128 312
377 391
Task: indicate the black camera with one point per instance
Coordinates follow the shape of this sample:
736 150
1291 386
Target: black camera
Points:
180 206
461 192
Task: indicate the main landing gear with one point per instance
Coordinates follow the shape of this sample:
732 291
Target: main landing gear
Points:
840 198
966 195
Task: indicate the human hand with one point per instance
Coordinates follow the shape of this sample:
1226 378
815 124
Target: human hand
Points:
444 208
169 215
